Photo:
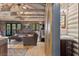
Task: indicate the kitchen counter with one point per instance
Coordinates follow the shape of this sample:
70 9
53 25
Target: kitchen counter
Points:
3 40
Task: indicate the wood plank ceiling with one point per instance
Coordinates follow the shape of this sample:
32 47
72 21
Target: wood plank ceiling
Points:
22 11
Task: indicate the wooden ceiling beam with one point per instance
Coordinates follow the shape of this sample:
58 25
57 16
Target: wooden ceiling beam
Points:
27 10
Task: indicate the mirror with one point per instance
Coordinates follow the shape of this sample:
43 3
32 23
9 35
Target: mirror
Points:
63 20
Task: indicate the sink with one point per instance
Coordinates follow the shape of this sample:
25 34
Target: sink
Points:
67 37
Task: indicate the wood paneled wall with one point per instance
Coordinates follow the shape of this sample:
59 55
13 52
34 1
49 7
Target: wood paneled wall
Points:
73 25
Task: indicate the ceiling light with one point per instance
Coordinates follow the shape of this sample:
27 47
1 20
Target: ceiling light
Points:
24 7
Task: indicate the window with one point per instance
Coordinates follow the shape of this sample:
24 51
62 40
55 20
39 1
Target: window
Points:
12 28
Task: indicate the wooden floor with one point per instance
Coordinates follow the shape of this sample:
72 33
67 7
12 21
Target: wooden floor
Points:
38 50
17 49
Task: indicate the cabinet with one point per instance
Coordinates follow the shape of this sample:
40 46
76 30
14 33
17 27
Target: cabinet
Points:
3 46
3 49
66 47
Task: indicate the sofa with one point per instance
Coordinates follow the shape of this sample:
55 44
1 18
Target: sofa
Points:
30 39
